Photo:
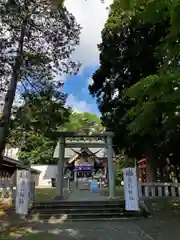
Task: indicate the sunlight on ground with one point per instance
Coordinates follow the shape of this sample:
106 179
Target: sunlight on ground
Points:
52 220
44 236
53 234
11 227
30 234
4 206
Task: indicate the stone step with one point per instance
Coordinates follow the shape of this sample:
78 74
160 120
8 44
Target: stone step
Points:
84 210
86 216
60 204
78 210
78 206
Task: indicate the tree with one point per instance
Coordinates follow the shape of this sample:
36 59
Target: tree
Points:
35 45
37 149
137 86
157 108
129 52
157 96
42 112
82 122
34 123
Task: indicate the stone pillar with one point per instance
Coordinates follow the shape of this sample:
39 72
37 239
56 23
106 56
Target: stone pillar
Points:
111 171
60 172
75 178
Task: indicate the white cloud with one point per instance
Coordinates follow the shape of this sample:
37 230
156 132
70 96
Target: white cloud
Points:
78 105
90 81
91 15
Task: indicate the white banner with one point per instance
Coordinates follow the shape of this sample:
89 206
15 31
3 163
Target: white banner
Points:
131 189
23 178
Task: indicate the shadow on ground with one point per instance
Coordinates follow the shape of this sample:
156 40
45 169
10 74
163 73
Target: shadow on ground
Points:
164 223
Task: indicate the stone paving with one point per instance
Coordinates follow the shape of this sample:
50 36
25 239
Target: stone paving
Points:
85 195
125 230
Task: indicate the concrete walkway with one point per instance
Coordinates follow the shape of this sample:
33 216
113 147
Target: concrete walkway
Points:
85 195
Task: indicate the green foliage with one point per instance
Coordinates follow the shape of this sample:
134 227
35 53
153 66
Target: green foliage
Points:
137 84
37 149
156 97
129 52
82 122
123 161
34 123
42 112
36 43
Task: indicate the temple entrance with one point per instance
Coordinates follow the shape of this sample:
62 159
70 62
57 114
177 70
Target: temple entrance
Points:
92 158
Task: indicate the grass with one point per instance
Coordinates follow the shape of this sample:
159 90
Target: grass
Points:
44 193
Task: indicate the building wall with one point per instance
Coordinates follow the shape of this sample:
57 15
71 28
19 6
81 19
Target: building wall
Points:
47 172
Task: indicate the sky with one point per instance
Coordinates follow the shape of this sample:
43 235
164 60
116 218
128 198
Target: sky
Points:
91 15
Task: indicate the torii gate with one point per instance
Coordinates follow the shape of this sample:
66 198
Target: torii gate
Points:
63 142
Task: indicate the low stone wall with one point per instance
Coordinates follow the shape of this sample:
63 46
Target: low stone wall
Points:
159 190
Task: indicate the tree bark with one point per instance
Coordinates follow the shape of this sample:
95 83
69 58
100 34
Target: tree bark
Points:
152 166
10 95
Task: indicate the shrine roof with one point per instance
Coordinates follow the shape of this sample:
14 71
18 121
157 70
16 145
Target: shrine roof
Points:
70 152
16 164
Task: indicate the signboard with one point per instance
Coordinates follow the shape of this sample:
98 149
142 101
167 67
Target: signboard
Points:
84 167
131 189
22 191
94 185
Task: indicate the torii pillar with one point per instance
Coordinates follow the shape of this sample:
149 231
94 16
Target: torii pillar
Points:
60 174
111 171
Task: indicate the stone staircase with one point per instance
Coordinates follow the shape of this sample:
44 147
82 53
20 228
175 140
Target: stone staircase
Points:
82 210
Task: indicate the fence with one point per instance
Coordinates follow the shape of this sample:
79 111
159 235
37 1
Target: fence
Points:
155 190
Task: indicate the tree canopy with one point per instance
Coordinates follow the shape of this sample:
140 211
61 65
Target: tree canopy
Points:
128 53
137 83
82 122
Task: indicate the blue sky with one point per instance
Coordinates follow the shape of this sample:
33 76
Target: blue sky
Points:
77 89
91 15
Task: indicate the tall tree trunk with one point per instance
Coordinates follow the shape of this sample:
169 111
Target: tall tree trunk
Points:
152 165
10 95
